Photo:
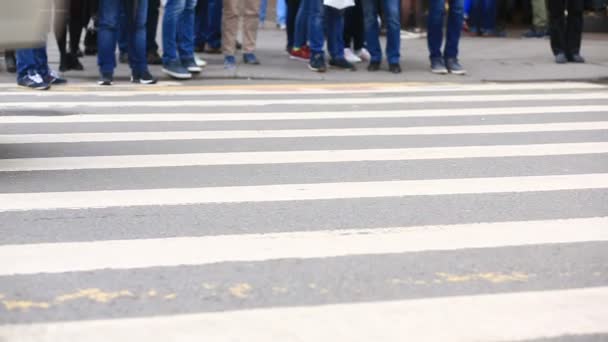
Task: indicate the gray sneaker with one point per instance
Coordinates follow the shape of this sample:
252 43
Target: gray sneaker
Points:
176 70
438 66
454 66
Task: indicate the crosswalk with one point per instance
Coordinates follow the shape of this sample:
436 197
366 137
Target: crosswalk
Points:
378 212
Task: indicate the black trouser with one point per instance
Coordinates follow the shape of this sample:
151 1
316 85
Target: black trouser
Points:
70 17
152 25
292 11
566 32
354 31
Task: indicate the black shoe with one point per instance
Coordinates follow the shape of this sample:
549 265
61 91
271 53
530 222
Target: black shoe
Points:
560 58
63 62
342 64
317 63
144 78
576 58
373 66
11 63
395 68
106 80
79 53
90 42
154 58
73 63
199 48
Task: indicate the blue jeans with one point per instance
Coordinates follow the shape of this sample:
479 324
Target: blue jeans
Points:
208 23
123 35
300 35
178 30
391 11
483 15
316 39
435 28
32 60
107 36
281 11
334 30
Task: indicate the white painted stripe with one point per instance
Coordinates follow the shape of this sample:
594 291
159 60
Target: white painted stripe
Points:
119 254
202 117
488 318
307 90
287 157
315 101
296 192
298 133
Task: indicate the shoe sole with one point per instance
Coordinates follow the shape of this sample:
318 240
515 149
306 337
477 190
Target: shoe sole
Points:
195 69
176 75
317 69
458 72
440 72
295 58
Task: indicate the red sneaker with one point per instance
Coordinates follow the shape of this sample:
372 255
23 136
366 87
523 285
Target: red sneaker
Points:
300 54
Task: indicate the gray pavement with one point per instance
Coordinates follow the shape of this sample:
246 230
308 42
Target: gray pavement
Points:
484 273
486 59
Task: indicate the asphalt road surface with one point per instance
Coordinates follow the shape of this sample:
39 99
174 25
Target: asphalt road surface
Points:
342 213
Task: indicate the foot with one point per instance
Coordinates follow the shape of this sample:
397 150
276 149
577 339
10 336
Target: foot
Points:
301 54
363 54
154 58
201 63
53 78
454 66
191 66
438 66
395 68
11 63
73 63
63 62
250 58
373 66
576 58
317 62
123 58
106 79
229 63
33 80
176 70
341 63
350 56
560 58
143 78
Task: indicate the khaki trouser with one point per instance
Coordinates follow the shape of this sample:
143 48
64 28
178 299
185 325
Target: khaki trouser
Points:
230 25
539 14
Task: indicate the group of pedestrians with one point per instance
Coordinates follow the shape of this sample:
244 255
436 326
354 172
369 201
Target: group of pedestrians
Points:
349 28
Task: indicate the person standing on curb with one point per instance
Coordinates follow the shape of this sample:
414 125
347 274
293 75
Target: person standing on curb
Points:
566 31
539 20
391 12
33 70
109 14
178 39
442 63
230 28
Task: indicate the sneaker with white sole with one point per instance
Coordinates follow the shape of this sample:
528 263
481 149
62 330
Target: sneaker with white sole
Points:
176 70
350 56
191 66
200 62
364 55
33 80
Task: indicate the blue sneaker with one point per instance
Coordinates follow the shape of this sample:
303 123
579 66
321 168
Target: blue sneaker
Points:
33 81
317 62
229 63
454 66
176 70
250 58
438 66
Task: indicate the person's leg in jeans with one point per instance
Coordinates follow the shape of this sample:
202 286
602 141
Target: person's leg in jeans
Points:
302 23
315 34
393 33
214 28
185 36
171 21
263 8
137 15
455 18
123 35
281 12
27 69
292 11
250 26
334 31
574 29
109 12
372 33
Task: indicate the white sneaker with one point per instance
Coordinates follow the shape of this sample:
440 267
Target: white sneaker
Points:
364 54
199 62
350 56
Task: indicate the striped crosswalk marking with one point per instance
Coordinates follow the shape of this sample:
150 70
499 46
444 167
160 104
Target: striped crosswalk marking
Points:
98 282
